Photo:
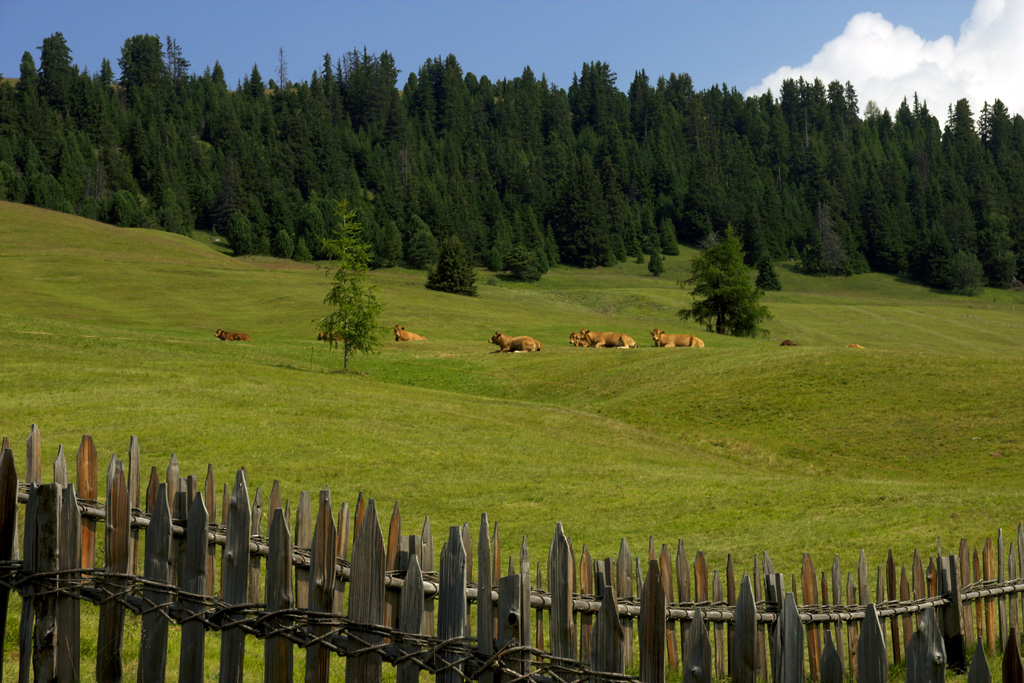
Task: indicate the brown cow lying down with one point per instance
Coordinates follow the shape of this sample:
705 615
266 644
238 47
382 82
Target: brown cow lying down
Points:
607 340
854 346
663 339
231 336
402 334
786 342
507 344
335 337
577 339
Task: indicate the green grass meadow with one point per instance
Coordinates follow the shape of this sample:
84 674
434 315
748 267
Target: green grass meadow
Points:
739 447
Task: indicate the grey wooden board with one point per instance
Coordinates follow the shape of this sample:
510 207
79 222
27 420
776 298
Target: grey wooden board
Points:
788 655
173 479
391 549
8 537
410 617
157 570
586 587
831 662
28 565
210 496
303 539
979 671
624 589
34 456
716 596
484 605
134 485
60 468
193 631
256 529
560 585
697 666
342 529
667 582
837 599
872 657
606 644
509 615
278 658
652 626
467 547
951 615
1013 669
44 651
427 565
743 653
109 665
366 599
235 566
926 655
451 605
69 556
323 555
1001 600
524 597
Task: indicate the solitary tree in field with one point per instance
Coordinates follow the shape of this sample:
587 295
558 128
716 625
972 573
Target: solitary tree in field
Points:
725 300
355 310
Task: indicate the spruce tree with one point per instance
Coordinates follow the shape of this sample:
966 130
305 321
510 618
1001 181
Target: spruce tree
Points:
454 272
725 301
767 278
655 265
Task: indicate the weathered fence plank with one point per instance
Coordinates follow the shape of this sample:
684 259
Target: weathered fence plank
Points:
60 468
366 599
831 662
524 597
278 657
697 658
586 574
872 658
44 652
560 584
716 596
111 628
683 589
303 539
606 643
809 586
1000 573
28 565
69 555
926 655
8 535
665 566
510 616
988 573
157 571
451 604
256 524
134 484
323 554
908 628
952 625
426 566
743 650
624 589
1013 668
410 618
342 530
34 456
892 589
484 606
193 630
979 672
88 489
788 655
210 496
652 626
235 566
391 564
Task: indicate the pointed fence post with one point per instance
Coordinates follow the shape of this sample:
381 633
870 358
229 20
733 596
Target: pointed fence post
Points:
451 619
366 600
69 555
410 617
157 571
979 671
788 655
743 653
193 630
323 554
831 662
8 535
926 655
872 658
235 564
697 658
111 628
509 617
606 644
652 626
560 583
1013 668
44 646
484 603
278 657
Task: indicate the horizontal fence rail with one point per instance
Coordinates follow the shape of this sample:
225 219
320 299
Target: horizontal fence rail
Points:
337 585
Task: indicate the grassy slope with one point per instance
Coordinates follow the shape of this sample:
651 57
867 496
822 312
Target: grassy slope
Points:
739 447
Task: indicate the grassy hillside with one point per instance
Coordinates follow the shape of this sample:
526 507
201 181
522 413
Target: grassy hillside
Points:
738 447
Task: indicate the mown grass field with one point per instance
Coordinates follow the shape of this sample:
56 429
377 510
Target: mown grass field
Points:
740 447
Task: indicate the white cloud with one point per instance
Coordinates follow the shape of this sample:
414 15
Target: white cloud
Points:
886 63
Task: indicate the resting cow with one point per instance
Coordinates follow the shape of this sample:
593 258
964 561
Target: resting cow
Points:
507 344
333 337
786 342
854 346
402 334
231 336
607 339
577 339
663 339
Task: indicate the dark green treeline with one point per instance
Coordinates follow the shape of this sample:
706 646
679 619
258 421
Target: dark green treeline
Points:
586 176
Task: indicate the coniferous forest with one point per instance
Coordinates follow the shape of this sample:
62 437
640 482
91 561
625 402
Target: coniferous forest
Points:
525 174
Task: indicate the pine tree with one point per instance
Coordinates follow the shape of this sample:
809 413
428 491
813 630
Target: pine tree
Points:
355 309
655 265
454 272
725 301
767 278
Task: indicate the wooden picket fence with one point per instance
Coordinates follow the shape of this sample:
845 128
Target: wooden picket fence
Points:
290 591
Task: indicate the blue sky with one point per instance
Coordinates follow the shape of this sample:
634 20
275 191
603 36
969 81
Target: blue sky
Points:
745 44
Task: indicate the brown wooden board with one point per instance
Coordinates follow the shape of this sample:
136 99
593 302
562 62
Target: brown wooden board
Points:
652 626
852 627
810 591
235 566
34 456
427 566
88 489
716 596
586 577
193 630
256 529
683 589
303 539
134 486
366 600
323 554
837 599
60 468
908 627
667 583
988 574
1001 600
157 571
872 658
964 558
278 652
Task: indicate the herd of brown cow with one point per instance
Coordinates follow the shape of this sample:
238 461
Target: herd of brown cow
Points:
524 344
